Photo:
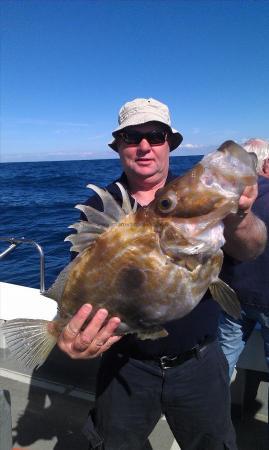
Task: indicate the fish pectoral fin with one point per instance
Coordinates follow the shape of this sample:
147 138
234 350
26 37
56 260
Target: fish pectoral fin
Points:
29 340
152 334
226 298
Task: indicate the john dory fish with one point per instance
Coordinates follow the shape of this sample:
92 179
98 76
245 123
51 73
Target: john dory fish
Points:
148 266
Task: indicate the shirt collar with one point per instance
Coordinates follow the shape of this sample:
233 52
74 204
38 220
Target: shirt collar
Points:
124 181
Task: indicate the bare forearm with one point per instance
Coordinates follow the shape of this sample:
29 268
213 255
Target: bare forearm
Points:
245 237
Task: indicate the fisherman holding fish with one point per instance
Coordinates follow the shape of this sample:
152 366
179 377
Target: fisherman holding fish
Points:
248 278
137 383
149 252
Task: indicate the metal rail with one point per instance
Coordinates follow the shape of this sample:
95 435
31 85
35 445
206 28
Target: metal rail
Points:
14 243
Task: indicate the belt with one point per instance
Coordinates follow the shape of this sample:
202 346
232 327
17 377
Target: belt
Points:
167 362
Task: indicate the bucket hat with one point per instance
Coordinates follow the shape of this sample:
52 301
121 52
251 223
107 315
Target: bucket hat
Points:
144 110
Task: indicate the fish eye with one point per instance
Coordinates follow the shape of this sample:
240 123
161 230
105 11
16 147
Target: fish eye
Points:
167 203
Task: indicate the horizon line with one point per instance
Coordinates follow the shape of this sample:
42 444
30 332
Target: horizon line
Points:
88 159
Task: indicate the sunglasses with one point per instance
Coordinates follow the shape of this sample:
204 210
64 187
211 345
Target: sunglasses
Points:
153 137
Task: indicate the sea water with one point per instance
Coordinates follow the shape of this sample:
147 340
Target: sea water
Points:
37 202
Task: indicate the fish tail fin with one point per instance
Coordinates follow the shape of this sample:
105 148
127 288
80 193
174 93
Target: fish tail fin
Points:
29 340
226 298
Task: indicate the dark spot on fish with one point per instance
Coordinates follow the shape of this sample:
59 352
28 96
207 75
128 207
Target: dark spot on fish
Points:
130 278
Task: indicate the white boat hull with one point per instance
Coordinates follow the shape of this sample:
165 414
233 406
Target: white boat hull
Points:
25 302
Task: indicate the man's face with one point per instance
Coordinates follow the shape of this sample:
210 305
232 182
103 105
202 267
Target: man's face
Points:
144 159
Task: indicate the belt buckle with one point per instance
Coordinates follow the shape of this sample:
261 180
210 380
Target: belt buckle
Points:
164 360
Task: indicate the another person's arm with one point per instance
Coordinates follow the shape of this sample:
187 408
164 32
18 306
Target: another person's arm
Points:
245 233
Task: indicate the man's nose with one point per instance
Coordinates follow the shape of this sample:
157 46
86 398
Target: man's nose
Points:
144 145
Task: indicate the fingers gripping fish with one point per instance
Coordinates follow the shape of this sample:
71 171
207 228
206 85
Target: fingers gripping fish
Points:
149 266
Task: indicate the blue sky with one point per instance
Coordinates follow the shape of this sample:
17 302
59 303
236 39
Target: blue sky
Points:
68 66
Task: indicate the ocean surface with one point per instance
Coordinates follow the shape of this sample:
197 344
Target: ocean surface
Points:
37 202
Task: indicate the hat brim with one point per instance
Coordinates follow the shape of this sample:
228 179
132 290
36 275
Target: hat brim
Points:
175 137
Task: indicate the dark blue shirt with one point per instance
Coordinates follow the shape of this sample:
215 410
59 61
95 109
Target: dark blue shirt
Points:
250 279
184 333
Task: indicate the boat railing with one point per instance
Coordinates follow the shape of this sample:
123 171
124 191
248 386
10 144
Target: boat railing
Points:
14 243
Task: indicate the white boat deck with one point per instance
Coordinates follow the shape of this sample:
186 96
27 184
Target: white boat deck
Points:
49 406
49 415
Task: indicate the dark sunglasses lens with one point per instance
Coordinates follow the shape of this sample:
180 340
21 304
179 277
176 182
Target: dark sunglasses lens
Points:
154 138
131 138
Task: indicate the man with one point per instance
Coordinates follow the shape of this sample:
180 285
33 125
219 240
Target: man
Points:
249 278
183 375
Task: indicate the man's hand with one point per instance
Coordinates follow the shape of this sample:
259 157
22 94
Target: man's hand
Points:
95 339
245 203
247 198
245 233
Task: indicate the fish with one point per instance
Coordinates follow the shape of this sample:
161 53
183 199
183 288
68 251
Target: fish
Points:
148 265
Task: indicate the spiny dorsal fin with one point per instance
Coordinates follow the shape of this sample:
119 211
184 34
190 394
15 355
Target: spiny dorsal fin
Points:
97 221
95 216
111 207
87 227
126 204
81 241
